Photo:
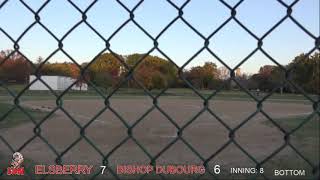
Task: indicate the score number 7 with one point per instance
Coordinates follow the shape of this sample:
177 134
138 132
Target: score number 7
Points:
103 169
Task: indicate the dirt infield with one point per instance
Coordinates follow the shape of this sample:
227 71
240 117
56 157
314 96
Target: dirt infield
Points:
205 134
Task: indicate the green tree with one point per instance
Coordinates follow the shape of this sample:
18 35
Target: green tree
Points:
305 72
152 71
105 70
203 76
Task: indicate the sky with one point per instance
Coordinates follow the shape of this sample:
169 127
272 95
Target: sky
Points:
179 42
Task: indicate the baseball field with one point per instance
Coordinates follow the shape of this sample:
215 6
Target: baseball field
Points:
174 130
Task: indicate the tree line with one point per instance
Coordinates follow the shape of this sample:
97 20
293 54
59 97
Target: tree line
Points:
107 70
302 71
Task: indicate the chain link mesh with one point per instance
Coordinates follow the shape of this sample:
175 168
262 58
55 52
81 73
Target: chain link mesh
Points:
130 76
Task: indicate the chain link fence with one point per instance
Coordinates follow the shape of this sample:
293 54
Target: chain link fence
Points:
129 76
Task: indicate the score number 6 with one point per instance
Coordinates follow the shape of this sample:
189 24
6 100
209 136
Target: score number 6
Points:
216 169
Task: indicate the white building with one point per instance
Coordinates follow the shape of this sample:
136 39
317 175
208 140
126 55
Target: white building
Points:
56 83
224 73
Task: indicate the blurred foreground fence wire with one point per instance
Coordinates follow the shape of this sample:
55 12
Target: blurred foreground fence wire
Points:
129 76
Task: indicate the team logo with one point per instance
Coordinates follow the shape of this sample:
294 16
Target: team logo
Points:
17 160
16 165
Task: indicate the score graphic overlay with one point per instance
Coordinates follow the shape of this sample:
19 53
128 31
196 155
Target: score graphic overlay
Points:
161 169
63 169
15 166
289 172
246 170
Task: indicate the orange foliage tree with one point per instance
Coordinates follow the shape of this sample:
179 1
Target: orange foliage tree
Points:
14 67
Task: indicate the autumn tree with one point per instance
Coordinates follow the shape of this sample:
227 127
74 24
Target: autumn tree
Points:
304 72
14 67
203 77
105 70
60 69
157 73
263 79
153 72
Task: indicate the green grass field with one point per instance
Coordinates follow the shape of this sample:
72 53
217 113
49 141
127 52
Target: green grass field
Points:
306 140
16 116
310 129
138 93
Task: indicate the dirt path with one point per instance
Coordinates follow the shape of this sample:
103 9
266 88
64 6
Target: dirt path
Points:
205 134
